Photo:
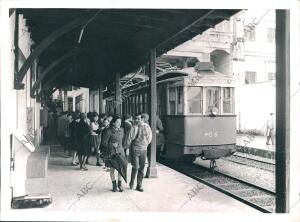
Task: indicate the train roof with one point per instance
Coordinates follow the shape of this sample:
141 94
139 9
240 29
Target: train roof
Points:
191 71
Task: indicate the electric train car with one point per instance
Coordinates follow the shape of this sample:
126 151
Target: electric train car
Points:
196 105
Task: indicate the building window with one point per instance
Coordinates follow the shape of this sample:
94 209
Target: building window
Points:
195 99
250 77
250 34
271 34
271 76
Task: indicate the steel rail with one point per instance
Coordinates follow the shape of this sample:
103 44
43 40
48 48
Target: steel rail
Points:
186 172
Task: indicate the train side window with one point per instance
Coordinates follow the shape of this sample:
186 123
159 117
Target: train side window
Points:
180 100
136 104
176 100
131 105
213 99
228 100
146 102
141 102
172 101
195 98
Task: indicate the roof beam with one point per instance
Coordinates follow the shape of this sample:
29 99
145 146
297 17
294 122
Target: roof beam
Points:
45 43
96 28
100 20
138 41
49 69
186 28
57 74
150 18
221 15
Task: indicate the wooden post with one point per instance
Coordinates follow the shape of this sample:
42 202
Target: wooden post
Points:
17 84
152 170
282 110
50 68
101 99
41 46
118 99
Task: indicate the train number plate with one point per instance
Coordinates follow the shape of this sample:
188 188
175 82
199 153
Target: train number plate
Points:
211 134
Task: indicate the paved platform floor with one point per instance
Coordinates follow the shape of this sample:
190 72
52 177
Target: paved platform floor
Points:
258 142
167 193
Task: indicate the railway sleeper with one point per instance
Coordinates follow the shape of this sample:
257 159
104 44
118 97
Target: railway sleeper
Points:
248 192
262 200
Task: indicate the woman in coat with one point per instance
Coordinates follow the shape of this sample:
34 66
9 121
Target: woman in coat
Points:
112 141
84 140
74 135
95 136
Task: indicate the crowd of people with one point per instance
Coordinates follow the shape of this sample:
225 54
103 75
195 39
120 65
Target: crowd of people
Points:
105 136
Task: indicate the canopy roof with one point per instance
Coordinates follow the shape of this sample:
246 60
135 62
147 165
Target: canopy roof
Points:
110 41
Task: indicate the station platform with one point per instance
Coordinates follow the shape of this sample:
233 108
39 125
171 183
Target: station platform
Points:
255 147
170 192
258 142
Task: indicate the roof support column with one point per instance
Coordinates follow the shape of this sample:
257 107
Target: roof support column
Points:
118 100
152 170
101 99
282 111
17 84
65 100
41 46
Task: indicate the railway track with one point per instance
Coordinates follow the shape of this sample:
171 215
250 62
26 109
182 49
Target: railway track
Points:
257 197
244 160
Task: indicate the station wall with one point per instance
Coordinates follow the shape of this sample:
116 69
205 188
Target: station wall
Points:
19 112
257 101
80 99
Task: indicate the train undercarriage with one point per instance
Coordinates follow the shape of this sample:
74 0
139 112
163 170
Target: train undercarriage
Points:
189 154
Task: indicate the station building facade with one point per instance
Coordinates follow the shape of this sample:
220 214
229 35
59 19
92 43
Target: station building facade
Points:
243 46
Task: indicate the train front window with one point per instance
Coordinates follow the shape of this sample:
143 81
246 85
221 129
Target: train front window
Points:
228 100
195 99
213 99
